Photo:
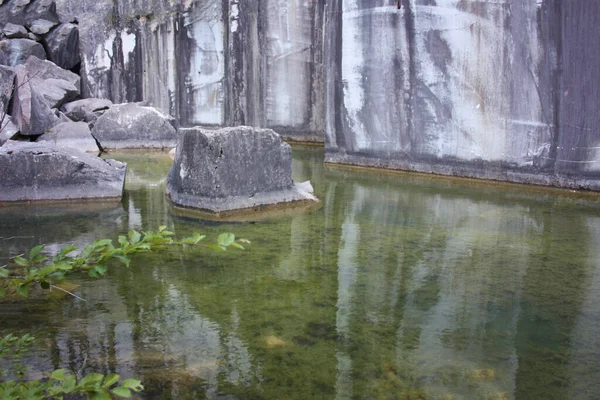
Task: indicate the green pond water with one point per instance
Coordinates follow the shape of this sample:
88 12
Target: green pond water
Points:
397 287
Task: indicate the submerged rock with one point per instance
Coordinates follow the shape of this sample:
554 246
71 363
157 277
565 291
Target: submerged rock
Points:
233 169
45 172
87 110
132 126
76 135
17 51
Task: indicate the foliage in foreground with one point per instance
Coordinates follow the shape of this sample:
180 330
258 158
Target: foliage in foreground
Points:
39 269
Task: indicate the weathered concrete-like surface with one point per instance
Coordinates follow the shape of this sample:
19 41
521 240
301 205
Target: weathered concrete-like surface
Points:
466 88
132 126
233 169
44 172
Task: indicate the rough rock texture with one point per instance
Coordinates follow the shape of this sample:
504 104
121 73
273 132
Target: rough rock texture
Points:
17 51
231 169
56 85
13 31
41 26
87 110
76 135
43 172
30 110
62 46
7 84
7 129
129 126
481 89
213 62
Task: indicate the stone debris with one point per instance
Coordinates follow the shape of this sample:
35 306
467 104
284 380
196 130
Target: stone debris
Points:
45 172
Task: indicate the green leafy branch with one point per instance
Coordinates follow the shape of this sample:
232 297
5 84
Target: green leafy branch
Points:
96 386
39 269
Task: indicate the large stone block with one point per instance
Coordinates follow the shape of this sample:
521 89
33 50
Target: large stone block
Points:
44 172
71 134
30 110
7 85
87 110
62 45
233 169
17 51
132 126
55 84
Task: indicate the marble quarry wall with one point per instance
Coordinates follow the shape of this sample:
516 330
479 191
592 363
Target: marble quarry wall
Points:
502 89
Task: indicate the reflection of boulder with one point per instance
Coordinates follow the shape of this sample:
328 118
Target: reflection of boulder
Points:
234 169
43 172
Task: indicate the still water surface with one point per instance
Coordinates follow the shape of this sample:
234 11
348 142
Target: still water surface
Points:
398 287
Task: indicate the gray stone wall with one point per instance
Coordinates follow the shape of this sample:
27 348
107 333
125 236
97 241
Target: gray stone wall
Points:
499 90
210 62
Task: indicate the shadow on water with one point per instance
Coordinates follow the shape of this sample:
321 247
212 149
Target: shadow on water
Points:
398 287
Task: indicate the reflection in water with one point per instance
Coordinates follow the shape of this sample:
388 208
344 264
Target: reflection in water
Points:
398 287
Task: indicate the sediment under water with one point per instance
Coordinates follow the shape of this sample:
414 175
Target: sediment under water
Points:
398 287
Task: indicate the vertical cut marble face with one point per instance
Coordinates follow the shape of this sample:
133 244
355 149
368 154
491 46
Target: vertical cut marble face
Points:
447 78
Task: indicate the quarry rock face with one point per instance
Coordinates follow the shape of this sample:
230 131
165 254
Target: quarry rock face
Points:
131 126
62 46
233 169
44 172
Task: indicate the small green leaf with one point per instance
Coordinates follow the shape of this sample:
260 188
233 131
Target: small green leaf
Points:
45 285
91 380
134 237
100 394
110 380
124 260
69 384
98 271
132 384
23 289
103 243
237 245
197 237
58 374
123 241
162 228
121 392
35 251
3 273
245 241
215 247
225 239
21 261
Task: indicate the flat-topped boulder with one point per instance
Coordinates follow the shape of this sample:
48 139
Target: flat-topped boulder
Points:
233 169
33 171
133 126
71 134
